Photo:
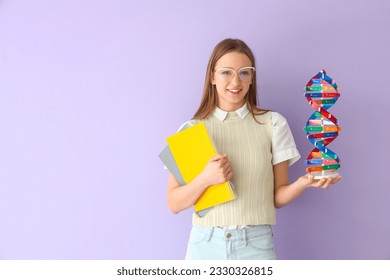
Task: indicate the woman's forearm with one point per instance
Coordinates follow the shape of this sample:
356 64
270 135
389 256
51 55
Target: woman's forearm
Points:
183 197
287 193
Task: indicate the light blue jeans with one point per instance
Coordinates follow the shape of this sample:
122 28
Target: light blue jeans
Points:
214 243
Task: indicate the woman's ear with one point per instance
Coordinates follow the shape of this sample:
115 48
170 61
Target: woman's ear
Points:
212 80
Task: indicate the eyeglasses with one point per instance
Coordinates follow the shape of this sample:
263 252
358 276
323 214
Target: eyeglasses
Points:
226 74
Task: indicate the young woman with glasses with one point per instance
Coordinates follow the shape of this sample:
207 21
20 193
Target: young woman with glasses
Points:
258 147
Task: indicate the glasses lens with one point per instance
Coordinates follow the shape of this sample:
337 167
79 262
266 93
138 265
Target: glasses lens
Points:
246 74
225 74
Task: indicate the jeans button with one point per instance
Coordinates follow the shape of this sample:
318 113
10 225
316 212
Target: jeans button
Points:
228 235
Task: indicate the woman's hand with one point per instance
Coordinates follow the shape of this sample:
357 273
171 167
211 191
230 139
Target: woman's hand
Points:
217 171
285 193
324 183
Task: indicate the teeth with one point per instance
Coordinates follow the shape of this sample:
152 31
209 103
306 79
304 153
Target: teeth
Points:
234 90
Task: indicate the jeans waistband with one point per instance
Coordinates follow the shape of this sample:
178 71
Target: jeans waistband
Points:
231 234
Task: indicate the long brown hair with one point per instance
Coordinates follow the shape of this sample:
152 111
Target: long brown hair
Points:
210 98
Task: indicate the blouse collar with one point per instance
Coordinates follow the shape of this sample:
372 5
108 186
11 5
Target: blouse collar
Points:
221 114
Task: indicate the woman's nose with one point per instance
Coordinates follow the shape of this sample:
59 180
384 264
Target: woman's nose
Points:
236 79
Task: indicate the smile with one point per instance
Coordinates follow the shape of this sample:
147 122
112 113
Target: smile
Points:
234 91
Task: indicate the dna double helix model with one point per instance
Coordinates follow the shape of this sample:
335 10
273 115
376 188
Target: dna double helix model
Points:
322 127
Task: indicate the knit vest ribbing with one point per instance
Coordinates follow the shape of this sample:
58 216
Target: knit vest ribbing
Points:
248 146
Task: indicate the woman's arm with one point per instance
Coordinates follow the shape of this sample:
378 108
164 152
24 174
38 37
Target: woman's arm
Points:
284 192
217 171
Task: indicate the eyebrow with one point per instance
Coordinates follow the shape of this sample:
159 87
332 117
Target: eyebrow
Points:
233 68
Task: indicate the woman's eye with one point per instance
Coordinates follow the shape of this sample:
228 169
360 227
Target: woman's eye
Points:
225 72
245 73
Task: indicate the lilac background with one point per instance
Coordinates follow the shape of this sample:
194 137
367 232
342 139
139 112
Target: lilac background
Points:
90 89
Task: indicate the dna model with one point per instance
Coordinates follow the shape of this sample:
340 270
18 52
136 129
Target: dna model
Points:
322 127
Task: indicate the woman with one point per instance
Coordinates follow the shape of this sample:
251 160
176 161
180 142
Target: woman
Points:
258 147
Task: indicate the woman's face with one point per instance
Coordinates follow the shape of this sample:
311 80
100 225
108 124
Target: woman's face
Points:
232 77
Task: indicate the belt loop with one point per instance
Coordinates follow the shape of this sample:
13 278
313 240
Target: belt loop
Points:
245 237
210 234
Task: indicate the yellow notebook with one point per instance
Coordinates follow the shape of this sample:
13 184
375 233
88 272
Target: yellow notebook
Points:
192 148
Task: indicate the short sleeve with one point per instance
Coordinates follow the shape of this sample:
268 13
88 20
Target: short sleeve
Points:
186 125
283 144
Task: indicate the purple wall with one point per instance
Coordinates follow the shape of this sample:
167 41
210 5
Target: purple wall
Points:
90 89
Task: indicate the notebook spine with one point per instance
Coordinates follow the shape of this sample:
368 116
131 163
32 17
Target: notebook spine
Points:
211 139
232 189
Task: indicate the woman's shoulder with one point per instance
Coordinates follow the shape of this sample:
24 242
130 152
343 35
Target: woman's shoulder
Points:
262 115
277 118
269 116
188 124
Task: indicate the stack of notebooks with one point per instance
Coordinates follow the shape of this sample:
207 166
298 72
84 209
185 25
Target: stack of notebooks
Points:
186 156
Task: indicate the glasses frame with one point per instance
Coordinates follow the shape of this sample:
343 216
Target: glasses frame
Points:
237 72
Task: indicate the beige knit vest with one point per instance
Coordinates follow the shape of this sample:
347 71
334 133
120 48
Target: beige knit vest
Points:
248 146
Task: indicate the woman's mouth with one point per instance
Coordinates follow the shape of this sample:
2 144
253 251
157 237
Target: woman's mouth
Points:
234 91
